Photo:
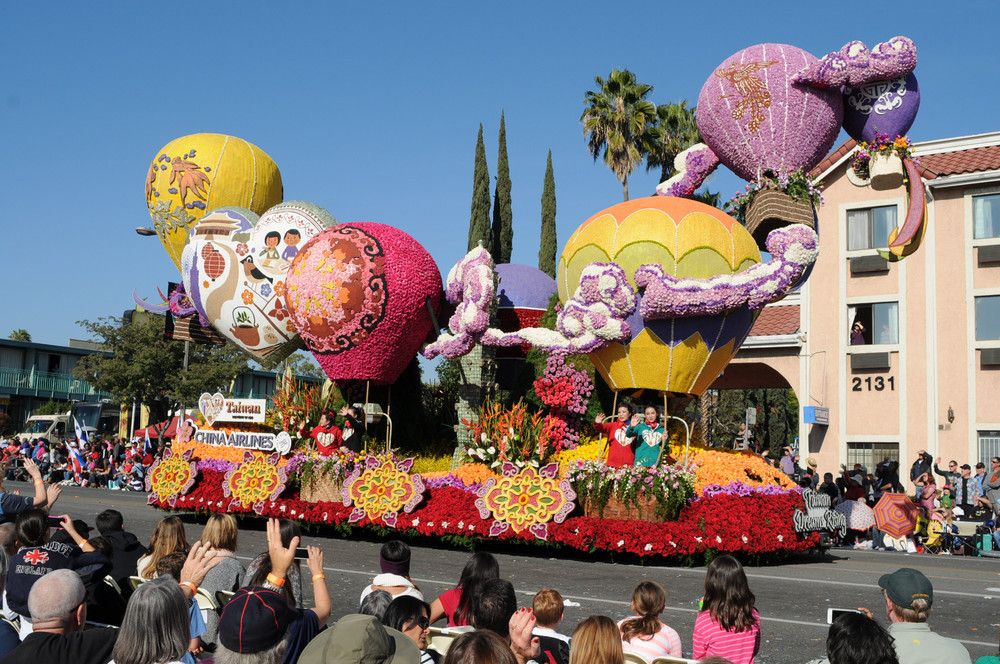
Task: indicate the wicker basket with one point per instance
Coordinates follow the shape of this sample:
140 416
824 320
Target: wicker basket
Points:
771 210
615 509
321 488
886 171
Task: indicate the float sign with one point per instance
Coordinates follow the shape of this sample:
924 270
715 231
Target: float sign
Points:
818 515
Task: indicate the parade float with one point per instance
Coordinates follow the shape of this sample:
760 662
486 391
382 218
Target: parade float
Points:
658 293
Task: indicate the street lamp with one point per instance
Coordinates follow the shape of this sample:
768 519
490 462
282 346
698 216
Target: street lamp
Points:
145 231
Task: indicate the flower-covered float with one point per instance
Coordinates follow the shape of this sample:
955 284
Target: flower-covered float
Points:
657 293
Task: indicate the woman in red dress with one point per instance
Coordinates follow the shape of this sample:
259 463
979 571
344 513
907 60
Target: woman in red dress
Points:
621 449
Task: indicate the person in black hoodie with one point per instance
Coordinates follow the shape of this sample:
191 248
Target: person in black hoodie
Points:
38 555
128 548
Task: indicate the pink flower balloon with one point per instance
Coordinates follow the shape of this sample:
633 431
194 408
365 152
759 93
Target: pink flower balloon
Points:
754 118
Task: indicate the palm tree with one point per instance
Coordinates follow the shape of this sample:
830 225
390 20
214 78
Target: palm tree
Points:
675 130
616 122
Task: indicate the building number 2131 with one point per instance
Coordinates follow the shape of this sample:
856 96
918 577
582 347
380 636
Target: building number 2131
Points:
877 383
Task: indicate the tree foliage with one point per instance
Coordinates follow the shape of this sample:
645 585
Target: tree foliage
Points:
52 407
301 364
146 367
549 244
616 122
20 334
503 217
479 221
673 131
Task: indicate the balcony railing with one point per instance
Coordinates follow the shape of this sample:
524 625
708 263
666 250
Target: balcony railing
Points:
42 384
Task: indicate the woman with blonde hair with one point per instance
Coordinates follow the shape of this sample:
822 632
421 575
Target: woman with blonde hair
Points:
168 537
643 633
596 640
222 533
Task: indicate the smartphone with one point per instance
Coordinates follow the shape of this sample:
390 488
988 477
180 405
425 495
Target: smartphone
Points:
302 553
55 522
833 614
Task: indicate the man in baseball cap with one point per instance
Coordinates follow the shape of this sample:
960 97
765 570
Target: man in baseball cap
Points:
908 599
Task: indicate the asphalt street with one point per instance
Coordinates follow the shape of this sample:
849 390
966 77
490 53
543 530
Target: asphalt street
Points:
793 597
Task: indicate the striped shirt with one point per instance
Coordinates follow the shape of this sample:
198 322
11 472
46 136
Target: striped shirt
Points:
737 647
663 643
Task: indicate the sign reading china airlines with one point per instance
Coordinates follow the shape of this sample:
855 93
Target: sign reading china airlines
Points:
248 440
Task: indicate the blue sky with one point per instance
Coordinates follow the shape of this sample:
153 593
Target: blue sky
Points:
371 111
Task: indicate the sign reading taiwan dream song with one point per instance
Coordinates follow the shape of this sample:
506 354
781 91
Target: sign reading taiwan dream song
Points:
818 515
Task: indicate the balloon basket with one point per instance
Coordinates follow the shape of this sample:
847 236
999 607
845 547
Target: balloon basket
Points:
886 171
321 487
771 210
643 510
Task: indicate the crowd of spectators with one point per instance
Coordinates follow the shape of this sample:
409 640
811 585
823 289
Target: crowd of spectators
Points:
112 464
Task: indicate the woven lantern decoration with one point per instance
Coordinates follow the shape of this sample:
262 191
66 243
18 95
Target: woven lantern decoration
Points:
194 174
689 239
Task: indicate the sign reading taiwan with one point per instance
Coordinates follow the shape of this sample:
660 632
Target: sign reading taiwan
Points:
818 515
217 408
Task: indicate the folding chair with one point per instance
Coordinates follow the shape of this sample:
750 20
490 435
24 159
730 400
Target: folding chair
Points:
136 581
635 658
223 597
114 584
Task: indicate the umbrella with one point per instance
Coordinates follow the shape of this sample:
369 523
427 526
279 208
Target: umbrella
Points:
859 516
895 514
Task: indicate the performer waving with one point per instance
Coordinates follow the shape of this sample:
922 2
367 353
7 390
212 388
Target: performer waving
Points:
621 448
650 434
327 435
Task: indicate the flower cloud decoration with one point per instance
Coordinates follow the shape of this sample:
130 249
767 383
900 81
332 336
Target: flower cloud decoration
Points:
854 65
794 248
594 316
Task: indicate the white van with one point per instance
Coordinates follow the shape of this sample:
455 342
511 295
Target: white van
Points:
52 428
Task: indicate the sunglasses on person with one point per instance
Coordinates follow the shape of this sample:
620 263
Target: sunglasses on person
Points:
423 622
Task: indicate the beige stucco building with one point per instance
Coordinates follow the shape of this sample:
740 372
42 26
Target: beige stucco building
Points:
928 374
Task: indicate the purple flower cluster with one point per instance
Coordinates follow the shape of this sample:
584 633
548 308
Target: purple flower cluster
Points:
793 248
743 489
854 65
452 481
219 465
693 166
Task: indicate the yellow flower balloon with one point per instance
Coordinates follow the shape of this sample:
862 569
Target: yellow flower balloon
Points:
194 174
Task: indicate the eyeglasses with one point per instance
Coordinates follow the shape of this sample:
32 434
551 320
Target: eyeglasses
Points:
423 622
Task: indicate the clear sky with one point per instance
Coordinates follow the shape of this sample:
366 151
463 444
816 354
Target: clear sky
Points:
371 111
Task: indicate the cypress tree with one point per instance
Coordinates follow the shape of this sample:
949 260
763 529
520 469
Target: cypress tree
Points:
547 250
503 218
479 222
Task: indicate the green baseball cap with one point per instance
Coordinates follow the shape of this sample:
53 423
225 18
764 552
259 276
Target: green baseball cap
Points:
905 585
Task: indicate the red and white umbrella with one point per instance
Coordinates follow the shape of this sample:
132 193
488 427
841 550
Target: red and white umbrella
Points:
859 516
895 514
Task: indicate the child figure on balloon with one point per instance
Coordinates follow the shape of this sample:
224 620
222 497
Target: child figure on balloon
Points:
650 433
621 448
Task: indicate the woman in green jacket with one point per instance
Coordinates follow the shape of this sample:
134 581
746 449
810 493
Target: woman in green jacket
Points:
649 434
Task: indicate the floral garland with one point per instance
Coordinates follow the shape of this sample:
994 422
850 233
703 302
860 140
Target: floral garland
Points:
171 476
794 248
381 488
854 65
744 489
881 146
525 499
671 487
693 166
594 316
753 525
566 391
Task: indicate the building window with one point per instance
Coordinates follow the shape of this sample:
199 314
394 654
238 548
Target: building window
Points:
877 323
988 318
869 228
989 446
986 216
870 455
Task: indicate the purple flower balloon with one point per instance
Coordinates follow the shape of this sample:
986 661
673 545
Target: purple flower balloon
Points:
754 118
889 107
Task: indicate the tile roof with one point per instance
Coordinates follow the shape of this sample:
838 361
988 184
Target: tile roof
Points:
963 161
776 320
932 165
